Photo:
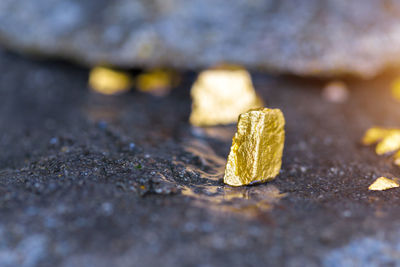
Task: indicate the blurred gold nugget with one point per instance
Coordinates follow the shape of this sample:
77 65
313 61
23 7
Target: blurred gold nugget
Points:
389 144
383 183
108 81
220 96
157 82
388 139
257 147
375 134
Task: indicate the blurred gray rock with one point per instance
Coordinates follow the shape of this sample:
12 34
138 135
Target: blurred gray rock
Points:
304 37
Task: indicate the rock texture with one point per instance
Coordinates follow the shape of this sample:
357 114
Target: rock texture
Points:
304 37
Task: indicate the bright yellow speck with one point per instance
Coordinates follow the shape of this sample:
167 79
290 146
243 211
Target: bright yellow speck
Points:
157 82
221 95
109 82
383 183
396 89
256 152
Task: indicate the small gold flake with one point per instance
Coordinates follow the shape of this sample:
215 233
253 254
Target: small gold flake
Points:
256 152
220 95
109 82
157 82
389 144
383 183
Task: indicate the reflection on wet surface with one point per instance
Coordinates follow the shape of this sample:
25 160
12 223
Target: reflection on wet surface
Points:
244 201
248 200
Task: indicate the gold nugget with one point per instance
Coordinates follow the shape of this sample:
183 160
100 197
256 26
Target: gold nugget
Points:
157 82
388 141
219 96
256 152
108 81
389 144
383 183
375 134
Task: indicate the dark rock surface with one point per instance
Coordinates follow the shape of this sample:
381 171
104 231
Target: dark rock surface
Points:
87 180
304 37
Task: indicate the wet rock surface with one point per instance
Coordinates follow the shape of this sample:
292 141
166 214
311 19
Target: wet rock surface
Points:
88 180
309 37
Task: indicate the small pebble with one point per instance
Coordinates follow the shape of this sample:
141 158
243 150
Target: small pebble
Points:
335 92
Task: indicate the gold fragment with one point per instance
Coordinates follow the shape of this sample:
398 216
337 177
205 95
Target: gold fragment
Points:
257 147
383 183
389 144
157 82
220 96
388 141
376 134
109 82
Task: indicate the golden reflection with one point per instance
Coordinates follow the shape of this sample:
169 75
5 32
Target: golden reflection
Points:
219 96
211 194
383 183
256 152
157 82
242 200
108 81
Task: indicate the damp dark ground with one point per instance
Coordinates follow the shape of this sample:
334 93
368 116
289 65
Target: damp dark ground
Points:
91 180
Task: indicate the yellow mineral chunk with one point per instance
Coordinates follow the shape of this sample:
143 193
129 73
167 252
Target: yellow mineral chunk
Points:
157 82
383 183
109 82
375 134
219 96
256 152
389 144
